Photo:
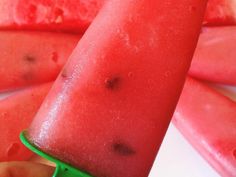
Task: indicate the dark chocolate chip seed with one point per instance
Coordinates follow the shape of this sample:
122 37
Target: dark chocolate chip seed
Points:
122 149
112 83
29 59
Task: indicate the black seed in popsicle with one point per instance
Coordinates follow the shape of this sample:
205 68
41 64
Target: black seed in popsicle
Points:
122 149
112 83
29 59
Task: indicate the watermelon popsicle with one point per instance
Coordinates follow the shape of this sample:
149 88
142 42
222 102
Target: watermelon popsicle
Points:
206 118
29 58
25 104
214 58
48 15
220 12
110 107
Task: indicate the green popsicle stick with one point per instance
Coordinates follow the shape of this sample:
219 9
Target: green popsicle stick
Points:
62 169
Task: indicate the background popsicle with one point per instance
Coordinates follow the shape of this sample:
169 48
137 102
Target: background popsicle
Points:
76 15
215 56
32 57
220 12
16 113
110 107
208 120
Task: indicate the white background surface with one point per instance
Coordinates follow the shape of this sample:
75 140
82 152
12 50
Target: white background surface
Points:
176 157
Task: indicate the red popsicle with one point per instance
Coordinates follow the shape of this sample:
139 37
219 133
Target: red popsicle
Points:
220 12
16 113
48 15
32 57
110 107
208 120
215 55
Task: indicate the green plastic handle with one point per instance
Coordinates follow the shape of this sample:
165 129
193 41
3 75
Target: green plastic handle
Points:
62 169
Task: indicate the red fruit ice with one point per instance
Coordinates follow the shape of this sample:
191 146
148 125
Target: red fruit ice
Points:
16 113
208 120
110 107
32 57
215 55
48 15
220 12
